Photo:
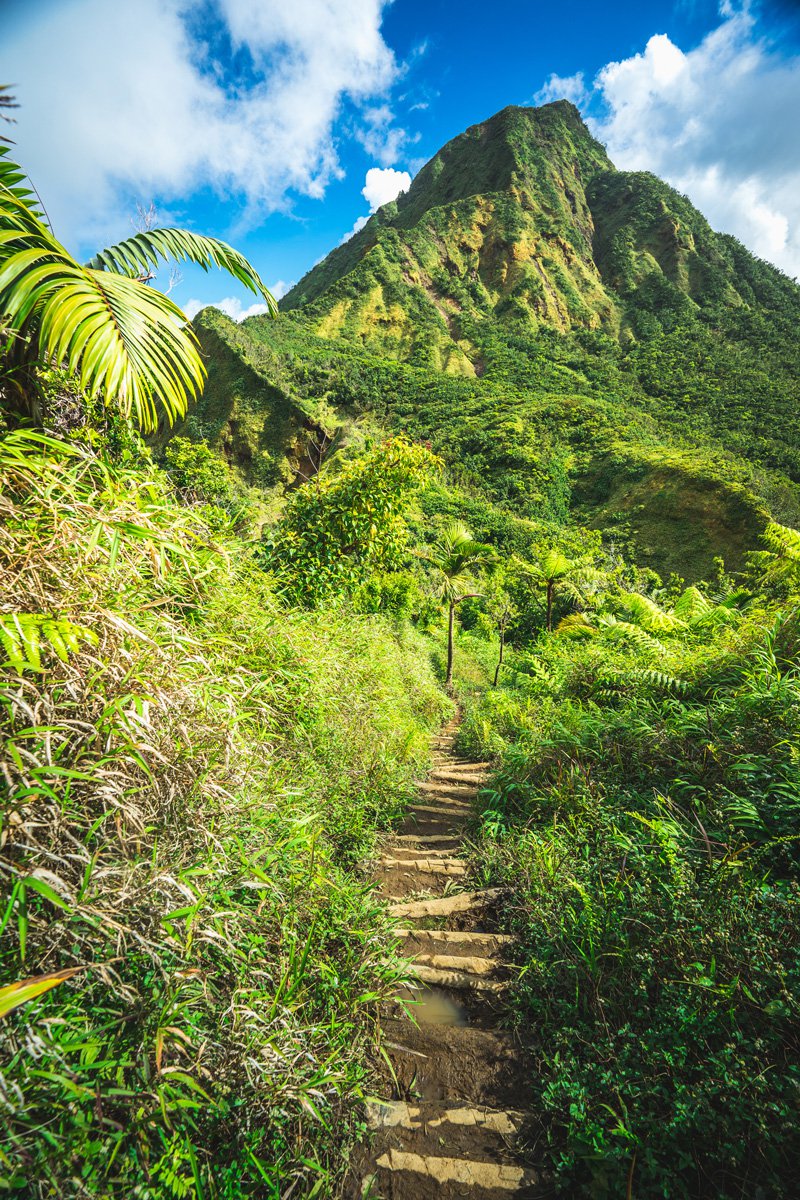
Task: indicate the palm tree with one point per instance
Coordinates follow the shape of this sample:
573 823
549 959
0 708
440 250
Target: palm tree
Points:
453 557
101 320
572 577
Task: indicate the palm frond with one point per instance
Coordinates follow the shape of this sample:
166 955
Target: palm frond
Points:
137 255
119 337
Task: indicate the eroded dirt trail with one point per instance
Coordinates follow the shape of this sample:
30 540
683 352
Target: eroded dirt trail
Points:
449 1122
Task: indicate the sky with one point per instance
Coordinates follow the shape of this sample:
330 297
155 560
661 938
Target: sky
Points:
280 126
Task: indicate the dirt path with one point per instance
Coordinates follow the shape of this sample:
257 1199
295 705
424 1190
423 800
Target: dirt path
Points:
449 1120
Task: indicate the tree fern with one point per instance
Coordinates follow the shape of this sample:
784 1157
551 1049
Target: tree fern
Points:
647 614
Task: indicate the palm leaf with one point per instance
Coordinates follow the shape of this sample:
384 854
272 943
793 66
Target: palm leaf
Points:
137 255
120 337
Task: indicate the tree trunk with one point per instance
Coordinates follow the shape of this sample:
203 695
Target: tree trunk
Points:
500 659
448 683
550 606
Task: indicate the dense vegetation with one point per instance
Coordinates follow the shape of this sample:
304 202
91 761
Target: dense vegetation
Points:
191 772
644 815
536 425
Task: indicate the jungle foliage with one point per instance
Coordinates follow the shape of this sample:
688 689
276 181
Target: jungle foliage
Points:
512 431
190 772
644 816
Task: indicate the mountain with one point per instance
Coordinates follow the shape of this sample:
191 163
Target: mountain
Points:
574 340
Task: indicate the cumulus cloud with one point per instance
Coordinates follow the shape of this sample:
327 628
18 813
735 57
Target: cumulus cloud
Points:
233 307
381 185
384 184
719 122
164 97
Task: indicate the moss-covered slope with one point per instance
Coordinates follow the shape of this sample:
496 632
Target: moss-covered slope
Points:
574 341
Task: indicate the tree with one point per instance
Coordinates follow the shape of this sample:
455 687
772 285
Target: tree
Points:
100 320
573 577
502 610
341 527
454 556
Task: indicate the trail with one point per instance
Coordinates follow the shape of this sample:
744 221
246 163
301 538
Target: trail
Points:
450 1116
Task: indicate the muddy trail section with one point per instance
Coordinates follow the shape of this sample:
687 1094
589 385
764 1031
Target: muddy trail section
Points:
450 1120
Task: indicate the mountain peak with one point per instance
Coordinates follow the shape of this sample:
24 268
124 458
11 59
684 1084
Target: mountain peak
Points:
513 147
540 158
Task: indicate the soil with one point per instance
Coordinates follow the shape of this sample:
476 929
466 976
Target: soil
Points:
451 1120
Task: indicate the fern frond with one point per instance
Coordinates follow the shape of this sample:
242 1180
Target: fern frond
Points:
692 605
783 540
646 613
576 625
661 680
618 630
24 635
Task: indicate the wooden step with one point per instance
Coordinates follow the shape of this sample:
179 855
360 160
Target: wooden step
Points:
444 775
466 1172
467 964
450 789
421 852
443 810
443 906
447 936
422 840
456 980
394 1114
431 866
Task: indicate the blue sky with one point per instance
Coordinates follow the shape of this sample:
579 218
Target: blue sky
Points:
280 126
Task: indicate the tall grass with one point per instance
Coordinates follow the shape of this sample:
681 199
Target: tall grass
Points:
185 794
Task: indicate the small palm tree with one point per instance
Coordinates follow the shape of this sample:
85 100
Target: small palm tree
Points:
454 556
101 320
574 578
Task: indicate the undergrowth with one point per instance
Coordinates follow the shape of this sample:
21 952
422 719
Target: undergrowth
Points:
186 791
644 818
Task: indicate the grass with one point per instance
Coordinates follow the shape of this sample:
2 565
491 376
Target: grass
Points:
186 797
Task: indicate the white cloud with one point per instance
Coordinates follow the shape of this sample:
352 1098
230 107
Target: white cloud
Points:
381 185
563 87
359 224
384 184
718 122
233 307
121 99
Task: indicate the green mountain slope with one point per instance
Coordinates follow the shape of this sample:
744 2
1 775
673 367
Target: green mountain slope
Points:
575 341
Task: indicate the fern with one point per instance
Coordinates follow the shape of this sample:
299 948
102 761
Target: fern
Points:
783 541
661 680
23 636
692 605
617 630
576 625
646 613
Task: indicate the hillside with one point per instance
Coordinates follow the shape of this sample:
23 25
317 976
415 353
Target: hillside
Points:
400 793
568 336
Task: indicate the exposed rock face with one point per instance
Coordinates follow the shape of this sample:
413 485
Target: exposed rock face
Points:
565 335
